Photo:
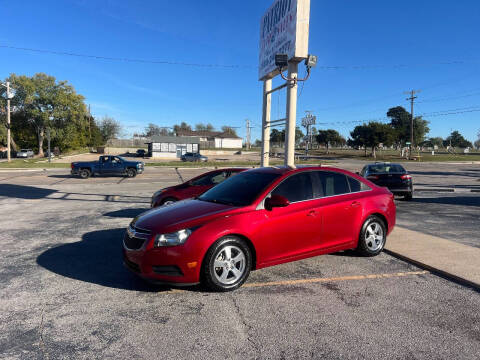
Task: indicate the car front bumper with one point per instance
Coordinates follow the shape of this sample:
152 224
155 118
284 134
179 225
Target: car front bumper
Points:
167 265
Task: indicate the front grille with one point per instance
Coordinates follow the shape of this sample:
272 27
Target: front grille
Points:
132 243
140 230
131 265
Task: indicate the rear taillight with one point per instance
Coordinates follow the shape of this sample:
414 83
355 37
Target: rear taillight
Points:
71 165
405 177
372 177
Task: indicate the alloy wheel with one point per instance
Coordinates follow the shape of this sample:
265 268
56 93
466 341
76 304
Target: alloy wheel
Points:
229 265
374 236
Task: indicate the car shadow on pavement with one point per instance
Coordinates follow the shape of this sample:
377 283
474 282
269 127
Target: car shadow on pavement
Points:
24 192
126 213
96 259
451 200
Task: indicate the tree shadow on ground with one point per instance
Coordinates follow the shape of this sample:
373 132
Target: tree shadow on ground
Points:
126 213
96 259
25 192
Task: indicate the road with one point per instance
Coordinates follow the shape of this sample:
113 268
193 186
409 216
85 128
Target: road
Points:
65 294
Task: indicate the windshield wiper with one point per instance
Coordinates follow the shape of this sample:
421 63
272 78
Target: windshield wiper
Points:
223 202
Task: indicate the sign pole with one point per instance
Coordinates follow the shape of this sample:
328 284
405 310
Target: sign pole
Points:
9 158
291 114
267 105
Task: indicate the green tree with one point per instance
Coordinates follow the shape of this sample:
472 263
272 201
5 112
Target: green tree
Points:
110 128
401 122
155 130
204 127
371 135
229 130
182 127
457 140
330 137
43 103
277 137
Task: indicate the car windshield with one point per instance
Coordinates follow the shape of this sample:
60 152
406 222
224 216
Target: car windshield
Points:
239 190
385 169
24 150
121 158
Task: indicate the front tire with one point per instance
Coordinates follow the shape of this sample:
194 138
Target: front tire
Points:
168 201
227 264
131 173
372 237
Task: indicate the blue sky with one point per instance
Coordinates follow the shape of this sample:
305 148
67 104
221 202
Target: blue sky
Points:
436 42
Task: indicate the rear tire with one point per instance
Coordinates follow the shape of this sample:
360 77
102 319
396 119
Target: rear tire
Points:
227 264
373 237
85 173
408 197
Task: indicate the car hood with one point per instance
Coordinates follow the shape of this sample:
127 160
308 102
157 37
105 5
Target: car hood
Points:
186 213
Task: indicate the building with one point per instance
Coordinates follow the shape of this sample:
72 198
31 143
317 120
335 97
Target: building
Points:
172 146
213 139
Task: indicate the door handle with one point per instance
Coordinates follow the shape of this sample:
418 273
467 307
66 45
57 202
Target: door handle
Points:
355 204
312 213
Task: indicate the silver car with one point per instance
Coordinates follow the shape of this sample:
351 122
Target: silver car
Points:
25 153
193 157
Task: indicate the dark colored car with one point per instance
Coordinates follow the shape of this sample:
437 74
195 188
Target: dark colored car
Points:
255 219
193 157
107 165
193 187
392 176
141 153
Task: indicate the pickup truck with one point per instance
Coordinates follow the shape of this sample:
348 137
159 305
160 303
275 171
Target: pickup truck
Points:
107 165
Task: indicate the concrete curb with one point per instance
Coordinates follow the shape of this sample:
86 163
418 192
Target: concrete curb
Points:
449 190
434 270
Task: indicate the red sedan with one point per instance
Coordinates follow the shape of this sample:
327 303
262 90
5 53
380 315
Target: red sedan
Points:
193 187
259 218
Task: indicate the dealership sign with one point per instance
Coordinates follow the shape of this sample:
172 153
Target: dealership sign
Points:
283 30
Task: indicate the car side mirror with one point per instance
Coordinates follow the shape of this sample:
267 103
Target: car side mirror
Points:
276 201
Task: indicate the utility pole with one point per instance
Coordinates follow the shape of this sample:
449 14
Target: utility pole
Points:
89 124
9 159
249 134
412 100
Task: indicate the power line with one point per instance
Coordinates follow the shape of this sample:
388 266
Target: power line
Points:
233 66
132 60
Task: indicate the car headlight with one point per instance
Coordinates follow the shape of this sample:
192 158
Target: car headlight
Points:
172 239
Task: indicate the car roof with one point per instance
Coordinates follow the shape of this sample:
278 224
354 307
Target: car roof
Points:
287 169
385 163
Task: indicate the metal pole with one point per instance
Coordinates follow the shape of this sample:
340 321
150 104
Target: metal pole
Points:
9 159
291 114
267 105
411 124
49 151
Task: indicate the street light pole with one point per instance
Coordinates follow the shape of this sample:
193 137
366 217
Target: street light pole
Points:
8 122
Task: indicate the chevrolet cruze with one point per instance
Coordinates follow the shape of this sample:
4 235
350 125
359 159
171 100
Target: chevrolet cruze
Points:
259 218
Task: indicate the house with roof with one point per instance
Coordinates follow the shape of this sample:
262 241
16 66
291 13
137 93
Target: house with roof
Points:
213 139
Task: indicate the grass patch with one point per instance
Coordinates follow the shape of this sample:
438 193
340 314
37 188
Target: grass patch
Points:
232 163
32 163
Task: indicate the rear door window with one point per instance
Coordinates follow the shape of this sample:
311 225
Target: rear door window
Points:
332 183
296 188
356 186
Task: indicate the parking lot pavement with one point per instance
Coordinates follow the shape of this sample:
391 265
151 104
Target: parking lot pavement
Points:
452 216
65 294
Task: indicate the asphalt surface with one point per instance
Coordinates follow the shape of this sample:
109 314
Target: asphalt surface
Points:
65 295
